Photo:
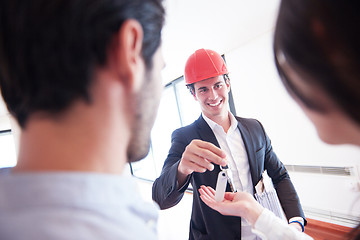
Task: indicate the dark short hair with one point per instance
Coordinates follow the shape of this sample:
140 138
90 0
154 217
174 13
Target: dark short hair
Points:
322 38
192 88
49 49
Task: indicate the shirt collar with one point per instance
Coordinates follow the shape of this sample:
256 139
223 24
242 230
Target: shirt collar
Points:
213 124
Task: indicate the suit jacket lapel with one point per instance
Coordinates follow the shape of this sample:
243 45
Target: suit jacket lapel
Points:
250 149
205 131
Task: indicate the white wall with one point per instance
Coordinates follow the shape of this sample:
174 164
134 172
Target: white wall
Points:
8 142
4 116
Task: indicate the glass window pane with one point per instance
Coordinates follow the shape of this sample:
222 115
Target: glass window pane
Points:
145 168
189 108
7 150
166 122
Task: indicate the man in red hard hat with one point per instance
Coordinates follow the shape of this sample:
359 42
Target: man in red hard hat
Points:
215 141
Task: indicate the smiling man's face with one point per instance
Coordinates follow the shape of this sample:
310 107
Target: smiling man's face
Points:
212 95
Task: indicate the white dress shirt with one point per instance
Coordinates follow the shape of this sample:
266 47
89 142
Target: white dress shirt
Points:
269 227
237 159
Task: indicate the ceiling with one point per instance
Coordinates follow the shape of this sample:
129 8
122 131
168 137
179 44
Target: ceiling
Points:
221 25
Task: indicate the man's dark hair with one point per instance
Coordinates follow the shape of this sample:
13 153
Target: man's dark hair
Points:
192 88
49 48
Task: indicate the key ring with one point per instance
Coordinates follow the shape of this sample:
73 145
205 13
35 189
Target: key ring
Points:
226 167
229 179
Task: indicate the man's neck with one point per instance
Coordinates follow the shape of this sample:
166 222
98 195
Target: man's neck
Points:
90 142
223 120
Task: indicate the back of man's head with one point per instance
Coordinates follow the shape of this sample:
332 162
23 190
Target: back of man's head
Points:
49 49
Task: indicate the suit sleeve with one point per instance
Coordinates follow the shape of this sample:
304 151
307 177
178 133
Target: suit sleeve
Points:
286 192
165 188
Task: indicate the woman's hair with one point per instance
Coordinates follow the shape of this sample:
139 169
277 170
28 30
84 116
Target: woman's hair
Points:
322 38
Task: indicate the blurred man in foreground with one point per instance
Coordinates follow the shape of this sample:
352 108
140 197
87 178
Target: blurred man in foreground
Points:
82 78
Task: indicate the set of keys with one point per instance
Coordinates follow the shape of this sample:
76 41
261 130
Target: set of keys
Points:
224 177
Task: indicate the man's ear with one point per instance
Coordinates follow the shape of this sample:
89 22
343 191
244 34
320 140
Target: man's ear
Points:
228 86
128 56
194 95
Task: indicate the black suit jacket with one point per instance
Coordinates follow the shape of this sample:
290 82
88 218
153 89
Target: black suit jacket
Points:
207 223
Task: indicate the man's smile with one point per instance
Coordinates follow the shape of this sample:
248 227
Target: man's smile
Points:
215 104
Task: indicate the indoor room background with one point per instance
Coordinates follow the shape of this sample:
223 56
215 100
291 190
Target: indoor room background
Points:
241 30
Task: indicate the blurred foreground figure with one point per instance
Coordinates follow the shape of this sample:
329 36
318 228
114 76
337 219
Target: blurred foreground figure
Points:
82 79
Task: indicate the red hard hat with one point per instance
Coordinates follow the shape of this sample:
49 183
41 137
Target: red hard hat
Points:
204 64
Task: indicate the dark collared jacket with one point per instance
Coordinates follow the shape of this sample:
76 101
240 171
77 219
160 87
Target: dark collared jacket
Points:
207 223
